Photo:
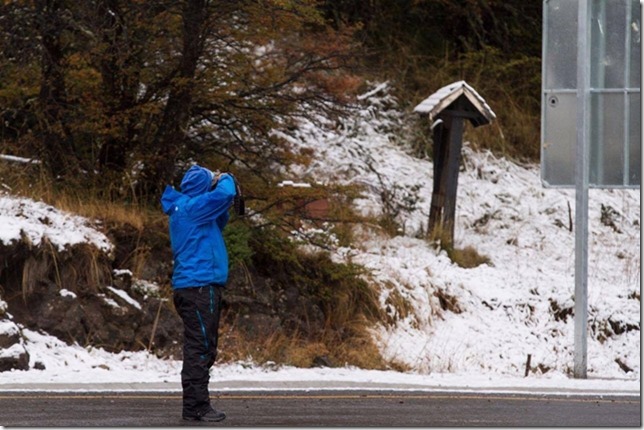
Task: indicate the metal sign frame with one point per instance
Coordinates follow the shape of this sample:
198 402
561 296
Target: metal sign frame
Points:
585 140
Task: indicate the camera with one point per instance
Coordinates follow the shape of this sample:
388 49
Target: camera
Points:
239 206
238 201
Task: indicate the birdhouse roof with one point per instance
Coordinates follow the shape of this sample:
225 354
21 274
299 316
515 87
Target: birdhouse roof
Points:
446 96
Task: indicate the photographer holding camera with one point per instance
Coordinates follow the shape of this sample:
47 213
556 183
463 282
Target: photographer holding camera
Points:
198 214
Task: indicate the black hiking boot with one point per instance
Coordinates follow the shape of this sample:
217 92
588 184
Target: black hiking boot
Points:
210 415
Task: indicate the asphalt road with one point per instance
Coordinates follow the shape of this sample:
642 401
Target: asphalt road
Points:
321 408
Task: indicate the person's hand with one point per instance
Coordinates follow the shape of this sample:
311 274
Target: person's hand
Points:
216 175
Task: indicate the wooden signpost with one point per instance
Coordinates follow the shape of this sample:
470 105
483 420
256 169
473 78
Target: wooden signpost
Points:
447 108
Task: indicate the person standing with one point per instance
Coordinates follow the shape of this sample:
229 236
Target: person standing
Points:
197 217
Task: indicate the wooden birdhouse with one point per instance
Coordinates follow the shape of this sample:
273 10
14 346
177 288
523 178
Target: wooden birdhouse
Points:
446 109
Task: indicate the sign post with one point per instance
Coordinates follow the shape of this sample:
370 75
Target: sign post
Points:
591 125
581 192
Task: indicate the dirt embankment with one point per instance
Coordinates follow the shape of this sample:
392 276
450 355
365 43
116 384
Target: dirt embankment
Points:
81 295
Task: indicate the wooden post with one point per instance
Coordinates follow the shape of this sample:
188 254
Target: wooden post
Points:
527 365
438 195
447 157
451 180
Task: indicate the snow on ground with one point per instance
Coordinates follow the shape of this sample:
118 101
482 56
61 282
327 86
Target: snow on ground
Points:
508 308
93 369
519 304
37 221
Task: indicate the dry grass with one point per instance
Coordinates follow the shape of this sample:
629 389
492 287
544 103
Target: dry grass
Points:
84 200
397 307
447 301
329 348
350 306
96 208
467 257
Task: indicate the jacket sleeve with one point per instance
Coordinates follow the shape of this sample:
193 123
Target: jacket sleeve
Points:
222 220
214 204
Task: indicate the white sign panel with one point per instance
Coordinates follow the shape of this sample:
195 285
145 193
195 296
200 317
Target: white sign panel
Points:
615 102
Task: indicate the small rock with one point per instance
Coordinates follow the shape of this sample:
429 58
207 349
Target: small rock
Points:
322 361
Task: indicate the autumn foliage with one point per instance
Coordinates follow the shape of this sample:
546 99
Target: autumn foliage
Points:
121 94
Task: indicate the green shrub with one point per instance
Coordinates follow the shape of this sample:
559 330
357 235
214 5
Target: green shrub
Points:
349 303
237 235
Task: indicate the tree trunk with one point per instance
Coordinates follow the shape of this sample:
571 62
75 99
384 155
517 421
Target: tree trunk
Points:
176 116
56 148
119 88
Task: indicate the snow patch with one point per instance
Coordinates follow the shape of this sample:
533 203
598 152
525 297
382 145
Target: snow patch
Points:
125 296
24 218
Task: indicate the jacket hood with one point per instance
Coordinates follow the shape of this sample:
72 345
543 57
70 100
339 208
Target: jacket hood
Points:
169 198
197 180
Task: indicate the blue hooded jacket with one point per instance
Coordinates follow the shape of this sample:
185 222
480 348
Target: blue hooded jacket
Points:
197 219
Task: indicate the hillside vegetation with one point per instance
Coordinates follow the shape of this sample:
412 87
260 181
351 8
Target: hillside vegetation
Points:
119 96
114 99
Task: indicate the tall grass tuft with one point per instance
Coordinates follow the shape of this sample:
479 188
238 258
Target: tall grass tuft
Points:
81 199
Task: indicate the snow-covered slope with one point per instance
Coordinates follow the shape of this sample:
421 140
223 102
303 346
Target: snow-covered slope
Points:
25 219
518 305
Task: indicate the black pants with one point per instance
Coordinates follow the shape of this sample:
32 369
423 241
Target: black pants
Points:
199 308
